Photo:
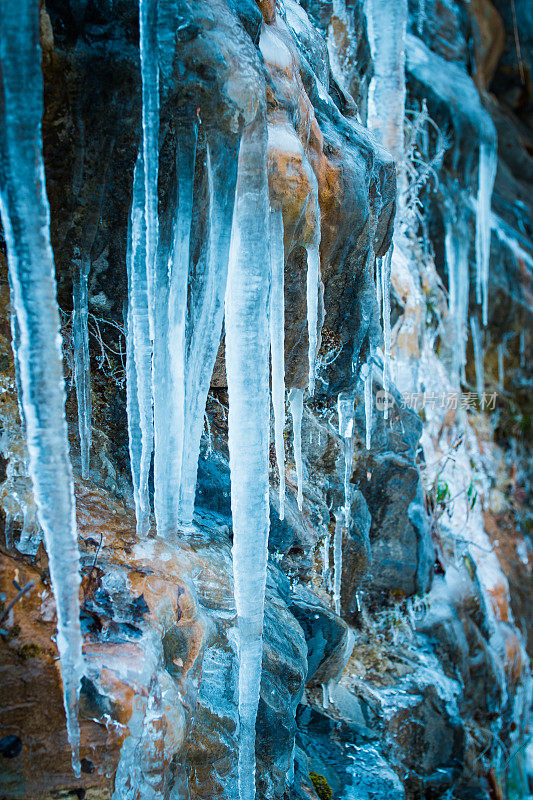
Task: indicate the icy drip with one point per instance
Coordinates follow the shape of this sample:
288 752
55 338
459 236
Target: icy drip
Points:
168 371
296 400
456 247
501 373
148 45
247 369
327 542
478 355
138 316
345 407
337 559
277 344
385 295
313 273
25 218
82 365
366 374
387 24
488 159
207 309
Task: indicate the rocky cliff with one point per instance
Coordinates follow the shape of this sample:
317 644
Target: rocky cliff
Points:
397 626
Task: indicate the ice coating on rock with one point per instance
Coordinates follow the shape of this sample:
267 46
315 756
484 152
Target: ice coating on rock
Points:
277 344
168 364
247 369
148 46
387 24
138 317
296 401
206 305
478 355
25 218
488 162
82 364
313 273
337 559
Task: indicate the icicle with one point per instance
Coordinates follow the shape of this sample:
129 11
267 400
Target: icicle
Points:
277 345
522 348
247 369
82 364
478 356
132 408
138 316
378 262
501 374
345 406
207 309
337 559
385 294
313 273
456 247
148 45
488 160
387 24
296 400
327 542
168 369
25 218
421 16
366 374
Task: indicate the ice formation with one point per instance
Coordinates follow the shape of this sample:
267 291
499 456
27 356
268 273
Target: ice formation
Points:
296 400
345 406
277 344
366 375
488 160
26 222
82 364
385 299
457 250
337 559
313 273
478 355
387 24
247 368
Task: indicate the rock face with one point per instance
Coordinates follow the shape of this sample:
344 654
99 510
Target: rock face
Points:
416 685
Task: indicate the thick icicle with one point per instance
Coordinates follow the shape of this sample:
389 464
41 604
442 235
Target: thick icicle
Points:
345 406
488 161
277 344
387 24
478 356
168 366
207 309
138 316
337 559
296 400
313 273
148 45
501 372
247 368
82 364
366 374
385 298
25 218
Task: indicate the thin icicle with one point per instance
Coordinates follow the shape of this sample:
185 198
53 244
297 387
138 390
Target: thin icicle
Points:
457 247
366 374
421 16
25 218
385 294
313 274
478 356
345 406
168 366
82 364
132 409
337 559
522 348
296 400
501 373
277 344
378 262
326 546
207 309
488 161
148 46
138 315
247 369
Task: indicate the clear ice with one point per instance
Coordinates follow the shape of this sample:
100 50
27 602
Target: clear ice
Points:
25 218
82 364
277 344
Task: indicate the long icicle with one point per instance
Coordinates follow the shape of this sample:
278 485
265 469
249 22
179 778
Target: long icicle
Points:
171 278
247 337
25 218
277 345
488 162
366 374
385 295
296 401
345 406
82 364
207 300
478 356
138 315
337 559
148 46
313 273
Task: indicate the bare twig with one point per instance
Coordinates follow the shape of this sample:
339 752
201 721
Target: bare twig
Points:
17 597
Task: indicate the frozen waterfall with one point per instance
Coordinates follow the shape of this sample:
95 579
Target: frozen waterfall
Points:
26 221
247 369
